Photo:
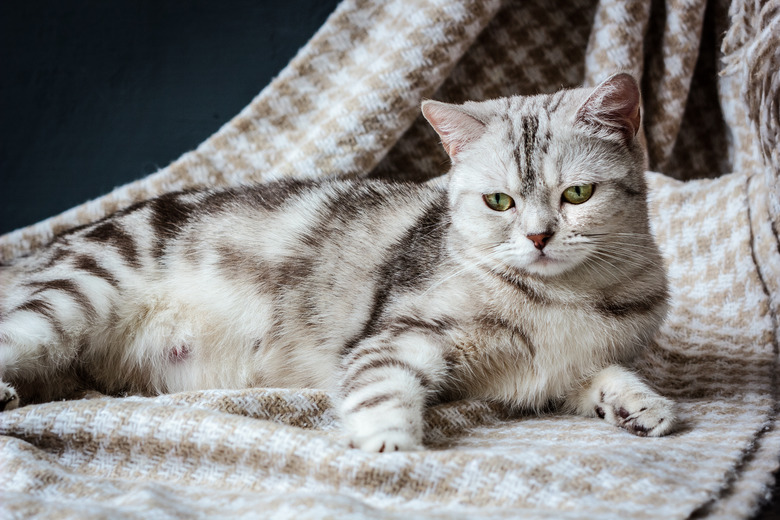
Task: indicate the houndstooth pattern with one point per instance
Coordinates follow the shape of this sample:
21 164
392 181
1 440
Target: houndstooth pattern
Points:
616 40
347 105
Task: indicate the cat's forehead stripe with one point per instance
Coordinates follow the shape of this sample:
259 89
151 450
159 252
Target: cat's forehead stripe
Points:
530 139
530 126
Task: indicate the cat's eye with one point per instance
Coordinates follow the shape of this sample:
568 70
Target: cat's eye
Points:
498 201
578 194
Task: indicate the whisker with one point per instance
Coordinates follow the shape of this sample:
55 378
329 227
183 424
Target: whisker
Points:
491 255
615 269
600 268
594 269
625 260
631 256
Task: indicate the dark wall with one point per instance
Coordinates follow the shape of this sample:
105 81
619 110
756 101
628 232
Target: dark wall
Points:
95 93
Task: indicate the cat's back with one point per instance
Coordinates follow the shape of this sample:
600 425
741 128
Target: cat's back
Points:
254 285
290 271
332 239
273 224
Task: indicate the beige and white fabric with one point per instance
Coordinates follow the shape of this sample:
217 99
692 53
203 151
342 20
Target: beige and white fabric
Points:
348 105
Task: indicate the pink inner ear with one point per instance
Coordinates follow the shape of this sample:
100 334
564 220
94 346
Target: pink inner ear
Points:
614 106
455 127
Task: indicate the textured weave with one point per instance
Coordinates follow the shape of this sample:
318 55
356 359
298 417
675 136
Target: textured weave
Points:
348 105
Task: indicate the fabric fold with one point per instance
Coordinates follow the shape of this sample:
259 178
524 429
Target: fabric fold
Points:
347 105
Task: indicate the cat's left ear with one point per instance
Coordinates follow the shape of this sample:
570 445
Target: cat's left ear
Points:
613 108
454 125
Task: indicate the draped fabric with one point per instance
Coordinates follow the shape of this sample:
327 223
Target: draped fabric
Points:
348 105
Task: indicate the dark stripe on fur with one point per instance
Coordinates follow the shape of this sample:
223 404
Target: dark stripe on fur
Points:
273 195
59 254
352 383
516 282
371 402
420 248
384 349
492 322
43 308
555 102
113 234
234 262
37 305
544 143
405 323
349 202
619 309
68 287
294 271
240 266
270 196
408 267
89 265
530 126
169 216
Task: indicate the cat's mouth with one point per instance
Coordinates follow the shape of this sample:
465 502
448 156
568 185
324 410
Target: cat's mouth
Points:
544 264
543 259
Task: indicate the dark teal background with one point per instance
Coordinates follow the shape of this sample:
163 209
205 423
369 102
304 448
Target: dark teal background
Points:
94 94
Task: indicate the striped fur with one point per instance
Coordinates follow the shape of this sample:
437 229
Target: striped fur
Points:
394 295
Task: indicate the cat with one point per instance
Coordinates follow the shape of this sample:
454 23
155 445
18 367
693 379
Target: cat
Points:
526 280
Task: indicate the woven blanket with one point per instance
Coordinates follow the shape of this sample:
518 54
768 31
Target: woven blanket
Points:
348 105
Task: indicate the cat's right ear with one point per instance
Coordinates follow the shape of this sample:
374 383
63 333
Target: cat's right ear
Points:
455 127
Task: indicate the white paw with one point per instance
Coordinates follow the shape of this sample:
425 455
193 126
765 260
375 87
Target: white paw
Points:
9 399
387 441
641 414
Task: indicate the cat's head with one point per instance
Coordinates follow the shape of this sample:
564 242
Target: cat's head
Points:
551 183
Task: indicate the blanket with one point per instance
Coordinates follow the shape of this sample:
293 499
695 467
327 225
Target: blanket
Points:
348 105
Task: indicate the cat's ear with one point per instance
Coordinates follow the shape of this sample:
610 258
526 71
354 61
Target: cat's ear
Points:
613 107
454 125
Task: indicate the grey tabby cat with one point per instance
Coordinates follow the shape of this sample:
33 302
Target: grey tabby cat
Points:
525 281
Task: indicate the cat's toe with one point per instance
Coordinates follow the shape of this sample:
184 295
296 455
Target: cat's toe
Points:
654 420
653 417
387 441
9 399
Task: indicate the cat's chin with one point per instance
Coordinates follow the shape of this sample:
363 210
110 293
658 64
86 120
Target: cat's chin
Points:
546 266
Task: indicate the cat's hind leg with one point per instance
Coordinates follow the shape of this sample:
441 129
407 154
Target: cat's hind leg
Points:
45 316
621 398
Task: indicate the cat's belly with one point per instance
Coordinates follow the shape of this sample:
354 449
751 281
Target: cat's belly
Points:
190 338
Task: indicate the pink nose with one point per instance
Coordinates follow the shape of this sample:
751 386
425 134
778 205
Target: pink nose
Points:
539 239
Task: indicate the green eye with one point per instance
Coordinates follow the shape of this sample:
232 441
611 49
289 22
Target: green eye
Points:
578 194
498 201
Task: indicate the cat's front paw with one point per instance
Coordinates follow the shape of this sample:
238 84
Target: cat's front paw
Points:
641 414
386 441
9 399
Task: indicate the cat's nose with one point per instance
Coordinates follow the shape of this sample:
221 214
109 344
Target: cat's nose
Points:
539 239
